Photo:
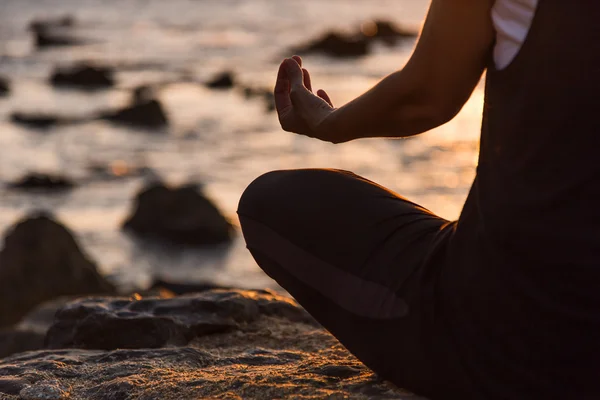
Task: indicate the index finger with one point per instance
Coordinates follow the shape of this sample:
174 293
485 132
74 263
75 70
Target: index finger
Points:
283 101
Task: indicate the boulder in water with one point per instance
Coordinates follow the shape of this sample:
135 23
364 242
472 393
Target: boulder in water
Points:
41 261
4 86
144 111
224 80
42 182
65 21
385 31
54 32
84 76
338 45
38 120
180 215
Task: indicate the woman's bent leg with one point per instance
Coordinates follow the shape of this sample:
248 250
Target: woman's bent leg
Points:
351 253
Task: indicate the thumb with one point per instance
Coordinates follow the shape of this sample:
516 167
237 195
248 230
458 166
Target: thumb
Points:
294 72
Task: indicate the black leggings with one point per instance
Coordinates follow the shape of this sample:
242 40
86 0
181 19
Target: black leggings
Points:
362 260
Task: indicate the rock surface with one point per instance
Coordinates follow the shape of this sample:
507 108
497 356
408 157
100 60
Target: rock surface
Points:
44 182
224 80
143 114
4 86
385 31
65 21
180 215
40 261
38 120
336 44
84 76
271 349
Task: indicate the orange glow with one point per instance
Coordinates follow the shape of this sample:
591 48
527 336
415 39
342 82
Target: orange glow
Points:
119 168
136 296
369 28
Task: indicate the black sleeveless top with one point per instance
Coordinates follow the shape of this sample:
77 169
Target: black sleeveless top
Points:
520 294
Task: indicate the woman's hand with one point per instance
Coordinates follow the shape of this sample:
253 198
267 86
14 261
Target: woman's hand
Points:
299 109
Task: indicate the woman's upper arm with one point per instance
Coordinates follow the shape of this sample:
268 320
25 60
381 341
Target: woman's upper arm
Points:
451 53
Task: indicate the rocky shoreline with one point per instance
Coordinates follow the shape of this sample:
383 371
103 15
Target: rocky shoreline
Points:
76 338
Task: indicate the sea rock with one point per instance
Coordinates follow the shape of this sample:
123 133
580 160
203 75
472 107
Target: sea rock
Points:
42 182
65 21
142 114
53 38
181 215
40 261
270 349
38 120
4 86
385 31
84 76
263 93
224 80
121 323
54 32
336 44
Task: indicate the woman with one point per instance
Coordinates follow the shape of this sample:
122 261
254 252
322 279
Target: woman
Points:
503 303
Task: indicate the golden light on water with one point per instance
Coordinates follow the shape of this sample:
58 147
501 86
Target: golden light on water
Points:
369 28
119 168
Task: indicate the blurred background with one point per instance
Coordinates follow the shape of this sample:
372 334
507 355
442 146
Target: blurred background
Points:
209 65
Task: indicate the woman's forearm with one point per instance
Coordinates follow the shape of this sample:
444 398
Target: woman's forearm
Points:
392 108
447 63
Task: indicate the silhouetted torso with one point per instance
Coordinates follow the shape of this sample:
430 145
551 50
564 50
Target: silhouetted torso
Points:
521 291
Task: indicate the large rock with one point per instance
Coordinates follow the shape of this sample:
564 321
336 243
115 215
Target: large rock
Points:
121 323
38 120
263 93
54 32
65 21
4 86
141 113
270 349
224 80
180 215
35 181
41 261
337 45
84 76
385 31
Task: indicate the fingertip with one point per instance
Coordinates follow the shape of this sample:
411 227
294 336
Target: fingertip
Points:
298 59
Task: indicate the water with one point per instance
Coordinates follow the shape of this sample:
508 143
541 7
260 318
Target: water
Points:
218 138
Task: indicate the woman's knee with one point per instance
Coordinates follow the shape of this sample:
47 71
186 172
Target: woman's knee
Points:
277 193
261 193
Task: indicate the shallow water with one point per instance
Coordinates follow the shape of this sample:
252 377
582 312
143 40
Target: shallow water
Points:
218 138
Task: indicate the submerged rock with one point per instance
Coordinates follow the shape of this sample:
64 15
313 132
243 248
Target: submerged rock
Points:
54 32
38 120
66 21
85 76
385 31
4 86
180 215
43 182
225 80
337 45
40 261
264 93
271 349
54 38
142 113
